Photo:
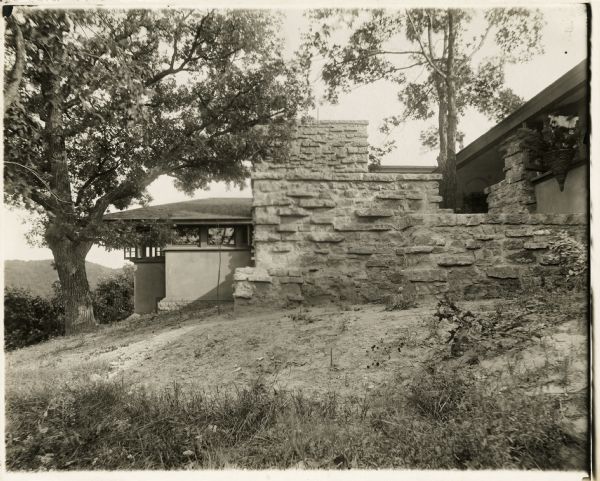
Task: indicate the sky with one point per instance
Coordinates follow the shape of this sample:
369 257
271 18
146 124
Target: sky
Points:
565 45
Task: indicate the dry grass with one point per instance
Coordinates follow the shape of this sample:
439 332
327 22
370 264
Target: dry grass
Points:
317 388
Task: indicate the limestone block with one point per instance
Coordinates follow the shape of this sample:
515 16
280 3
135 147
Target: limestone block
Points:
260 275
374 212
472 244
363 251
292 212
484 237
300 193
391 195
325 237
379 262
294 272
286 228
267 175
403 223
277 271
281 248
266 218
503 272
549 259
362 227
308 175
262 236
318 219
542 232
522 257
517 218
424 249
522 232
512 244
238 275
316 203
427 275
535 245
271 201
243 290
291 280
452 261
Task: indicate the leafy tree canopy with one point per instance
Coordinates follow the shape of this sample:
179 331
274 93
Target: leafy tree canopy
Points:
141 94
411 48
108 101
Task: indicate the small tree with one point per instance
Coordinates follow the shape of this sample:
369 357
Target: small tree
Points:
440 47
111 100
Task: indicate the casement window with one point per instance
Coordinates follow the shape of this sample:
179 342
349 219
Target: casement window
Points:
142 252
224 236
188 235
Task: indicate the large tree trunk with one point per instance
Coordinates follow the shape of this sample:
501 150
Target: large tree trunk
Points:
61 234
449 170
69 258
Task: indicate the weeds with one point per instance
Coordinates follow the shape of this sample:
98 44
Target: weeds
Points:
400 303
441 419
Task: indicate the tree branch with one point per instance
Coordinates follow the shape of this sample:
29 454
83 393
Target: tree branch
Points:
418 37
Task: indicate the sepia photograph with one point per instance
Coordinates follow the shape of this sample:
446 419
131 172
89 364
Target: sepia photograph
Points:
298 238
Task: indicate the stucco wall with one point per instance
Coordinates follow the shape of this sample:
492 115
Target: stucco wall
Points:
191 274
149 285
573 199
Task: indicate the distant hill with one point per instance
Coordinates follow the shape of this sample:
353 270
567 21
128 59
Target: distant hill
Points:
38 276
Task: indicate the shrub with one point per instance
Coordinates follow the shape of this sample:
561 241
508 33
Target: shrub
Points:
113 297
29 319
572 257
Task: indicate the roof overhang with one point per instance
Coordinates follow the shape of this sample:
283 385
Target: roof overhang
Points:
570 88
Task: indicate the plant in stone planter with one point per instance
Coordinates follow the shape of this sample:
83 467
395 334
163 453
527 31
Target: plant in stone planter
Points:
556 145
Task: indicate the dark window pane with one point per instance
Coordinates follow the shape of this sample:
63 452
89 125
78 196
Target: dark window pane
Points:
221 236
187 235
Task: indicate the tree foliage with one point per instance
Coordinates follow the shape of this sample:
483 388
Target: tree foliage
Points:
29 319
436 59
113 297
111 100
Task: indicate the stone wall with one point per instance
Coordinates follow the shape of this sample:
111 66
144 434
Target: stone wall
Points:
515 193
472 256
326 233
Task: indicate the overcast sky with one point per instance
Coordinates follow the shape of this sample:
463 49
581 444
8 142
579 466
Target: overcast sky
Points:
565 46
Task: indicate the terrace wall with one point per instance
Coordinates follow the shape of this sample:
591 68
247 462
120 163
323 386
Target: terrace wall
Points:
327 230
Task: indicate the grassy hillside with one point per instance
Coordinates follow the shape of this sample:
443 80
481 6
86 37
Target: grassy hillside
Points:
38 276
336 387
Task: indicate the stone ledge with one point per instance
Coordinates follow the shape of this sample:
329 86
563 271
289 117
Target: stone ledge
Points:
374 212
427 275
363 227
503 272
451 261
361 251
325 237
167 304
415 250
316 203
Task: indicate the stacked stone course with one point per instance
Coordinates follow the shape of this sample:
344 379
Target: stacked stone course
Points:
326 233
516 193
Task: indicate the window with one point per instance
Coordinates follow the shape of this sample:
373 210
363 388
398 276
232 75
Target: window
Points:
221 236
142 252
187 235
